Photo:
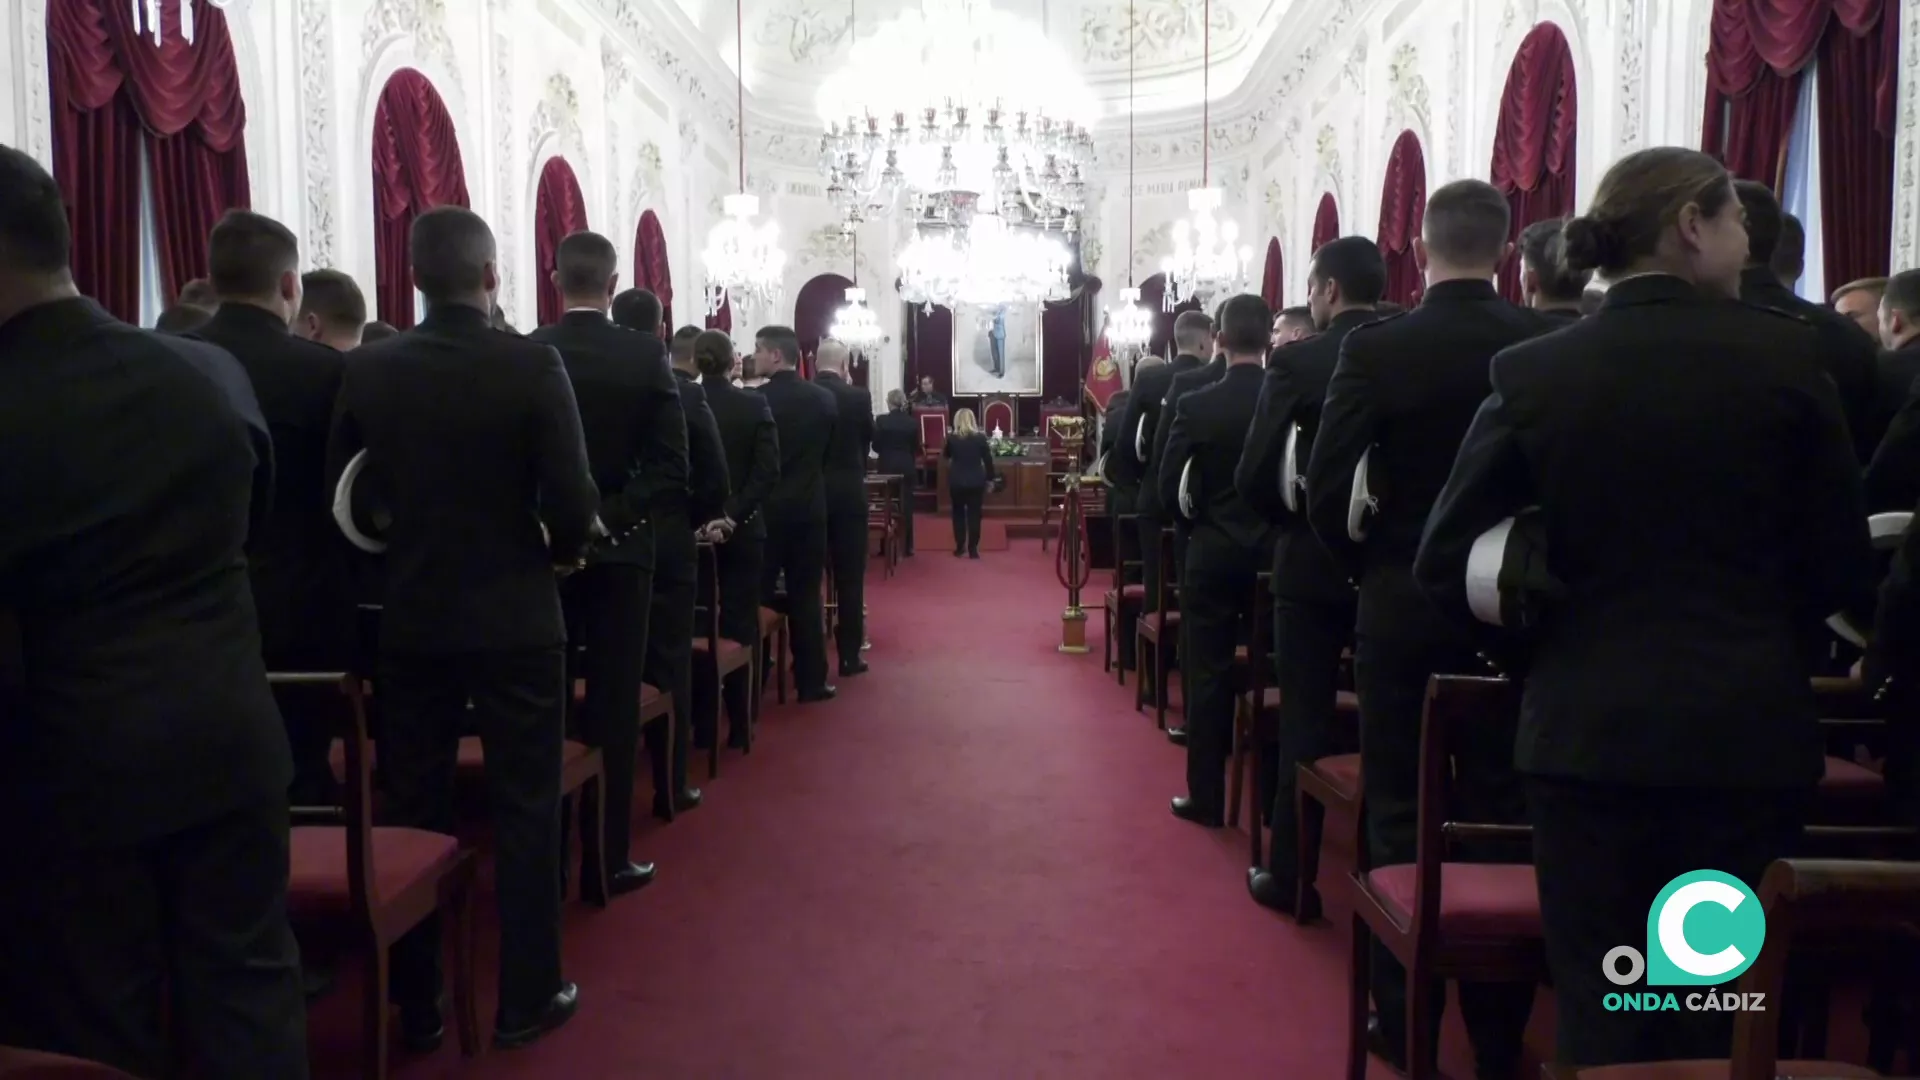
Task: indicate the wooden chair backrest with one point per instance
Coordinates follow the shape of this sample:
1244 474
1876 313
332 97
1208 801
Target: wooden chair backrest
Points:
343 697
933 429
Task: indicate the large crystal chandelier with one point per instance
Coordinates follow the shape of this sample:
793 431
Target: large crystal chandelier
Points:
1131 327
1205 261
743 258
957 97
856 324
985 264
149 12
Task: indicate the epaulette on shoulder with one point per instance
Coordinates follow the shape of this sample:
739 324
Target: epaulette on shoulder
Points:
1373 324
1777 313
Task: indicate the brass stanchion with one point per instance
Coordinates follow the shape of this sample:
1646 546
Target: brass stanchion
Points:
1073 562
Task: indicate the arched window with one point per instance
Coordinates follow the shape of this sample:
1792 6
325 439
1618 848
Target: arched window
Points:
559 210
1326 222
416 167
1403 207
650 269
1273 276
1533 143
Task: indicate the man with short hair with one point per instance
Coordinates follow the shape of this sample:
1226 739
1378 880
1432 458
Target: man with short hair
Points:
1860 301
1291 325
926 397
1789 262
332 310
846 483
1402 397
1546 283
199 293
1312 599
142 759
1228 545
676 579
182 319
804 416
1893 477
1846 352
377 331
637 450
1183 384
476 432
297 559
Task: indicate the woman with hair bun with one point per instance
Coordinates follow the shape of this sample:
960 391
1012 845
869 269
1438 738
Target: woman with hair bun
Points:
1690 471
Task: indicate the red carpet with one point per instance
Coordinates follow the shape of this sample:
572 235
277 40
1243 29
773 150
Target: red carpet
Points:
964 867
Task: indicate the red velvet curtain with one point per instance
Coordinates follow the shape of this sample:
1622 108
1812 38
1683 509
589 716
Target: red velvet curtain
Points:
1326 222
183 100
813 310
559 211
929 349
1534 140
416 167
723 321
1272 283
1858 73
650 269
1403 207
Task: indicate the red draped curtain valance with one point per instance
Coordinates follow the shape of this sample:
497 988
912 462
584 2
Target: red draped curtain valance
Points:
1403 207
1326 222
650 269
416 167
1272 276
1534 139
115 89
559 211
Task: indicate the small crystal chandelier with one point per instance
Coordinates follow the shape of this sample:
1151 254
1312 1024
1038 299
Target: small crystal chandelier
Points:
1131 327
985 264
743 257
1205 261
149 13
856 324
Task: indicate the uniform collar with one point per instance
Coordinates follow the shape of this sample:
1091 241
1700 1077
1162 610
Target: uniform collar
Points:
457 316
1650 289
1349 319
1461 290
55 321
249 317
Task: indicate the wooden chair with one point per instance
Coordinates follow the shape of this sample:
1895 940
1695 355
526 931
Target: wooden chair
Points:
998 411
882 528
1255 716
18 1064
377 882
1329 786
1444 919
1824 896
583 775
771 650
715 657
1155 635
1127 596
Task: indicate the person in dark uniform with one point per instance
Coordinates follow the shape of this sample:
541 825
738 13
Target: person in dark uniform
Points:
926 397
805 416
970 471
1292 324
1402 395
1193 336
1893 476
1846 352
1183 383
477 435
296 561
679 510
181 319
141 755
1548 286
846 482
897 442
333 311
1313 600
1789 260
1229 544
1702 509
753 466
637 448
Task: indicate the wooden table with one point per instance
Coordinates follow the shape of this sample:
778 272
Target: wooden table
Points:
1025 492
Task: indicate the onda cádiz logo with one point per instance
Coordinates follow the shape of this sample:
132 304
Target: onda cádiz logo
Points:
1704 929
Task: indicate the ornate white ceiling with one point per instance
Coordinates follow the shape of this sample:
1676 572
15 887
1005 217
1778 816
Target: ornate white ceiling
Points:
791 44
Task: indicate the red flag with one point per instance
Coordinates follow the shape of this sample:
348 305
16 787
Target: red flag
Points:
1103 375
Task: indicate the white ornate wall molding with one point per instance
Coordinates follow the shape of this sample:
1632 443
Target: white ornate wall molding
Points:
317 140
263 141
1456 93
1906 174
661 50
1329 177
1630 76
1163 31
32 36
425 21
808 33
504 167
553 130
1408 104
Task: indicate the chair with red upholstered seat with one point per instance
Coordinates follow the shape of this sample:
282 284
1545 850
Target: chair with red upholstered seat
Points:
1126 597
1444 919
1156 634
377 882
18 1064
1330 785
715 657
1798 895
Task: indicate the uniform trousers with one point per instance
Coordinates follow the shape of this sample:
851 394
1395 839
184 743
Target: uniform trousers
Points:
90 939
1390 676
669 663
1602 852
847 555
519 710
1126 547
739 562
797 549
967 506
1216 619
1149 530
607 612
1309 636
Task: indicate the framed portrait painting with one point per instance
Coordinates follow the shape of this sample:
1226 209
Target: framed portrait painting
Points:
996 350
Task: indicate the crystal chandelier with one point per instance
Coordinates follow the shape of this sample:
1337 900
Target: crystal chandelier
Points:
956 97
1131 325
983 265
743 257
148 12
855 324
1205 261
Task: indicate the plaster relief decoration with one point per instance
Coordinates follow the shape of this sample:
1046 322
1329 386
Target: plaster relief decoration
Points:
1329 34
1906 178
1456 87
316 127
804 31
787 146
1163 30
503 162
1354 73
1407 104
831 250
649 179
425 21
556 116
1631 75
1328 149
33 28
617 73
1180 145
660 52
1515 21
1158 238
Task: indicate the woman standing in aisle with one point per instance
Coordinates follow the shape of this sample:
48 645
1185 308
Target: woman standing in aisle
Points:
969 471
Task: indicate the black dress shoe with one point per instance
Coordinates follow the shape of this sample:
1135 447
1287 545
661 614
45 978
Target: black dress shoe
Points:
1177 736
973 554
958 554
824 693
850 669
1186 809
1268 891
1383 1048
630 878
688 799
421 1028
512 1034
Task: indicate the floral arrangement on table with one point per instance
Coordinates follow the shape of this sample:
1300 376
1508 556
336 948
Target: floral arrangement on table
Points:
1006 447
